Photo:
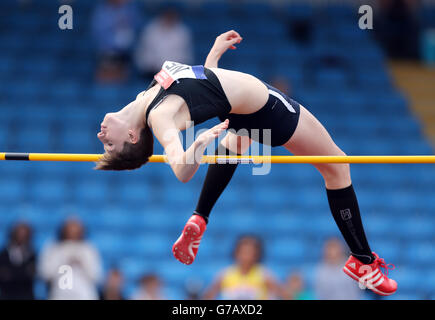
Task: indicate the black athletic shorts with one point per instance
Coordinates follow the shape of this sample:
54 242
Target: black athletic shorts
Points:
273 124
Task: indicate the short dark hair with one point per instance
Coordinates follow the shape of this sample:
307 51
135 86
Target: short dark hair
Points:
14 230
132 156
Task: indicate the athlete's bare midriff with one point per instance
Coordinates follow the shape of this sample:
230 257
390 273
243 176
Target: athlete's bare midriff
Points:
245 92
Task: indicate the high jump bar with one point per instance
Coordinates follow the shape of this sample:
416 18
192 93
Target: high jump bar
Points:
230 159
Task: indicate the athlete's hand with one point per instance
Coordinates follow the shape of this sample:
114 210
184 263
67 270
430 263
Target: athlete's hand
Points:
223 42
226 41
208 136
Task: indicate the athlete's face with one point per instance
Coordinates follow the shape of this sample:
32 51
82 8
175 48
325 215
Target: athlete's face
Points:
114 133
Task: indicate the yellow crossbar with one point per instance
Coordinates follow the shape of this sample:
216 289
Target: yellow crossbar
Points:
225 159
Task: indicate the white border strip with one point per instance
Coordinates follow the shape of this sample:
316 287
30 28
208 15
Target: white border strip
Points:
284 101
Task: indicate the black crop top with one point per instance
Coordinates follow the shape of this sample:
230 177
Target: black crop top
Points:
204 97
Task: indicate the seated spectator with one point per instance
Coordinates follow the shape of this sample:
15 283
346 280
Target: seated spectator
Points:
295 288
17 265
300 30
114 25
331 283
247 279
397 28
112 288
150 287
165 38
74 251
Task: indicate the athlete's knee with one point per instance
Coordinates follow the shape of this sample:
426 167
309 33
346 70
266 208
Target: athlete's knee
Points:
336 175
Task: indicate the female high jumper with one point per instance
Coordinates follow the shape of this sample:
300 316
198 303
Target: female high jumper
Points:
181 96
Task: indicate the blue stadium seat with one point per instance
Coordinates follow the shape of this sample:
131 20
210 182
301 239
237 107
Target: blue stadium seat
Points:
215 8
132 192
299 10
378 225
38 66
415 228
88 191
4 238
175 273
407 278
34 138
66 91
48 191
134 268
12 191
391 251
116 220
41 219
421 253
110 245
9 215
152 218
79 139
42 240
286 250
7 65
150 245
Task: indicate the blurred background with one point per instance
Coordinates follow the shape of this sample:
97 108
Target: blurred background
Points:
372 89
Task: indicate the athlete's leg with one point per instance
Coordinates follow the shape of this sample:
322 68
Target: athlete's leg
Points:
219 175
217 178
311 138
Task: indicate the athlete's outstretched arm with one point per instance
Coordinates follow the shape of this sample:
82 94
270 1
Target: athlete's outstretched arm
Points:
223 42
183 163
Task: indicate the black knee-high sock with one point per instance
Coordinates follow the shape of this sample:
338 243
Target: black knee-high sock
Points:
344 207
217 178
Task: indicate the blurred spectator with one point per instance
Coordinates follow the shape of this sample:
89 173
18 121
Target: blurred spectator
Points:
150 287
17 265
295 288
112 288
300 30
397 28
247 279
165 38
73 251
331 283
114 24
